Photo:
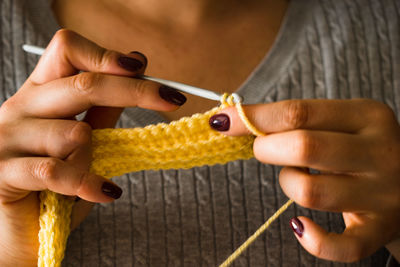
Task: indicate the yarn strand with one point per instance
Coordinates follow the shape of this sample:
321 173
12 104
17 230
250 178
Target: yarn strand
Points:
234 100
256 234
185 143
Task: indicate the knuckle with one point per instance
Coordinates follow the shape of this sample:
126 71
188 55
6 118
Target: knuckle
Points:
309 194
62 38
141 88
387 158
81 133
390 197
100 58
295 113
85 82
7 107
305 147
380 112
46 170
83 178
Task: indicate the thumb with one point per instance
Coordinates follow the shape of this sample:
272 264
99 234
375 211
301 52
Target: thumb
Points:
356 242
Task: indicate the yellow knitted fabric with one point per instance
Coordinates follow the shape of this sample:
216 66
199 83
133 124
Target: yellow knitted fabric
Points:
185 143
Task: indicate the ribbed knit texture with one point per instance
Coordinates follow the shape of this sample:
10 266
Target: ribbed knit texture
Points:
197 217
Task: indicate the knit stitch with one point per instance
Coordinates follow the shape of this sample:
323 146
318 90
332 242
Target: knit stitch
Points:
185 143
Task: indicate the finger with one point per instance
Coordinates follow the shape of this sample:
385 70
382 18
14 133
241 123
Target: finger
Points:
327 192
102 117
73 95
329 115
54 138
80 210
326 151
69 52
355 243
19 175
106 117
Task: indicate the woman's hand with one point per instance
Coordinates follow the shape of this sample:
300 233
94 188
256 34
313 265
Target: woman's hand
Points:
42 146
355 144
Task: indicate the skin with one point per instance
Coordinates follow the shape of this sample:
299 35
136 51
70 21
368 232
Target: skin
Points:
162 31
358 159
171 34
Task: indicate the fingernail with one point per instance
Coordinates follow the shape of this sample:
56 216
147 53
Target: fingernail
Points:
171 95
297 226
220 122
130 64
142 55
111 190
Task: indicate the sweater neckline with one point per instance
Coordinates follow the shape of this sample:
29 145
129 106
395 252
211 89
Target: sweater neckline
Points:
259 82
276 61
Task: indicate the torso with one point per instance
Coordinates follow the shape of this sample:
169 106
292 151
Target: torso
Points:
215 56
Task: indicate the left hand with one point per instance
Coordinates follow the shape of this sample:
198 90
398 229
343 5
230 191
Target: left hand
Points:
355 144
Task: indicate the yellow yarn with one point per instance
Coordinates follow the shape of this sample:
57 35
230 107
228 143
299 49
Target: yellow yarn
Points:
256 234
229 102
185 143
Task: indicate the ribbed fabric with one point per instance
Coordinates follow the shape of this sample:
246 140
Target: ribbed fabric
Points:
197 217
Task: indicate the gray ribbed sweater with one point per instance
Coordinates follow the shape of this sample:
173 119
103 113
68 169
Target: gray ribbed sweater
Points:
197 217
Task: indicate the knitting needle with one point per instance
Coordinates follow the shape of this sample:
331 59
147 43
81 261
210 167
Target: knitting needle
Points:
180 86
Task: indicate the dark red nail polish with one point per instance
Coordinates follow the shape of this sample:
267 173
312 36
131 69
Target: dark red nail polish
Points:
171 95
111 190
142 55
297 226
220 122
130 64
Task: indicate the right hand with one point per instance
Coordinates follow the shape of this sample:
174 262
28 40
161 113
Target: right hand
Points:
42 146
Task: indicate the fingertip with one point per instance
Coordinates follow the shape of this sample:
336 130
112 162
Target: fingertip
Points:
111 190
297 226
220 122
228 122
142 56
308 234
305 229
98 189
327 245
133 63
171 95
310 230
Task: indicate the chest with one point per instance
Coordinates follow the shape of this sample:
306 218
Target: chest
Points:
218 56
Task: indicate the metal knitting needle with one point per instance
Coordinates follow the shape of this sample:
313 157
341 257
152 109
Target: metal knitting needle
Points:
179 86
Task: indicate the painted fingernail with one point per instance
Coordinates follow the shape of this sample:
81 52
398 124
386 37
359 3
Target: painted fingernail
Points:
111 190
130 64
142 55
297 226
220 122
171 95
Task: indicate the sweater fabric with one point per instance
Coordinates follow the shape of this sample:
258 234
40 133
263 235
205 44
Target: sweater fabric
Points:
325 49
